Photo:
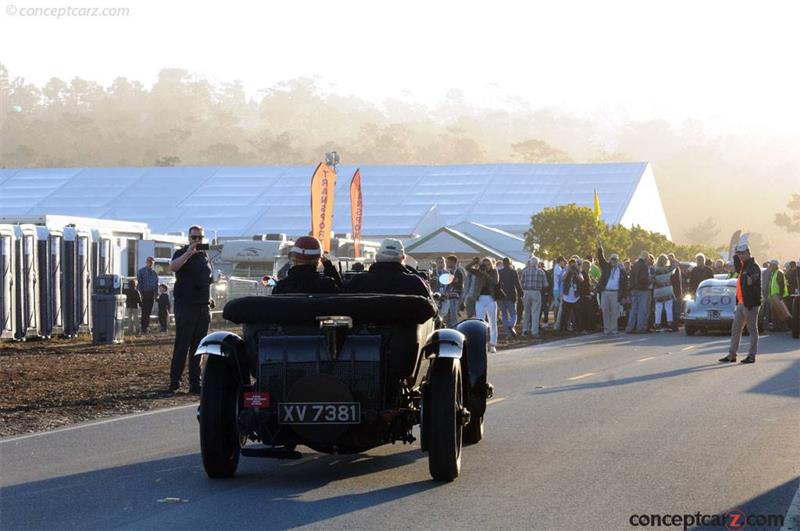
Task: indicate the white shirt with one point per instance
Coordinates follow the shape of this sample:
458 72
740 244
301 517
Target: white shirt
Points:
613 280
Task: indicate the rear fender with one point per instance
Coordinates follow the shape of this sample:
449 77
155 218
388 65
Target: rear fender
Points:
228 347
474 365
444 343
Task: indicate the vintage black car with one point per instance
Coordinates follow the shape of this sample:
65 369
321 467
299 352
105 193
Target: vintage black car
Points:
340 374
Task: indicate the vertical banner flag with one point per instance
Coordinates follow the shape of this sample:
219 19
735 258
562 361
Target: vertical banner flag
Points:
734 242
323 183
597 211
356 211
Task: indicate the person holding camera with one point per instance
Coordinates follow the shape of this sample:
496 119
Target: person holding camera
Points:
193 278
488 291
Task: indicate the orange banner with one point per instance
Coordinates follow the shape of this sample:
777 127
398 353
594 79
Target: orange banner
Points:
356 211
323 183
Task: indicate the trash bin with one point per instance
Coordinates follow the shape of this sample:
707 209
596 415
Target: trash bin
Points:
108 310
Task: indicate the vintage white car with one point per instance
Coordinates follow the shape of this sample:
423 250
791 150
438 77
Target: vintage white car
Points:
713 306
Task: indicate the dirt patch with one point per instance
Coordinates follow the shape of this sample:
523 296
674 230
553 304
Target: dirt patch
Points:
48 384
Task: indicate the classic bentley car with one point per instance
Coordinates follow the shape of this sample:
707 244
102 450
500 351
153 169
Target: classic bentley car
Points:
340 374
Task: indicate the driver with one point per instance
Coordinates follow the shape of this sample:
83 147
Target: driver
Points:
389 274
303 277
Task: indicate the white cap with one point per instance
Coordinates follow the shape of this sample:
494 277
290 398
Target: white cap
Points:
774 262
391 250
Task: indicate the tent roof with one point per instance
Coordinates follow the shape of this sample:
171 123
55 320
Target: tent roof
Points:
398 200
470 238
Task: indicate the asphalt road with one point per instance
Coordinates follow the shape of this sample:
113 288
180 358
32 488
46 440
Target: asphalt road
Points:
582 434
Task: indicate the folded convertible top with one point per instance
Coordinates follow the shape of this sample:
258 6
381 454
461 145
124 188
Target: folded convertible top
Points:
362 308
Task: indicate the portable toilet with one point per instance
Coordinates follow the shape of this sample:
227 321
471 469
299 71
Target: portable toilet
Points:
27 278
8 294
83 281
49 249
69 264
102 252
56 257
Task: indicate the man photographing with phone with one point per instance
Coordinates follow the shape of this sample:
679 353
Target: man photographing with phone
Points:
193 277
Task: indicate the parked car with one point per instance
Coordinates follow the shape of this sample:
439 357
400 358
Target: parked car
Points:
340 374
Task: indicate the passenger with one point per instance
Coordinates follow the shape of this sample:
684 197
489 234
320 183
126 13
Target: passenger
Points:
388 274
303 276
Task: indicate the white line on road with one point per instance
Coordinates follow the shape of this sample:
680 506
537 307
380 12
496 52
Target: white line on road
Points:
647 358
98 423
581 376
690 347
496 400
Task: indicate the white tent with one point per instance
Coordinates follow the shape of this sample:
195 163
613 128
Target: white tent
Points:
402 201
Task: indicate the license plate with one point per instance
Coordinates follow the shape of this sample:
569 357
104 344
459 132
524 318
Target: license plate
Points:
713 314
319 413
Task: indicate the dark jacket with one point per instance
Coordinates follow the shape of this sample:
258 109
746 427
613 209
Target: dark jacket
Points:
677 283
792 279
388 277
640 276
132 298
750 279
509 281
605 268
698 275
192 281
306 279
163 304
484 280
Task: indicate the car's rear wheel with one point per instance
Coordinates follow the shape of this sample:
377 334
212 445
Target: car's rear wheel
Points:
220 442
442 412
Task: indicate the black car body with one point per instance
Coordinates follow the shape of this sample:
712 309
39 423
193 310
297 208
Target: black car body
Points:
340 374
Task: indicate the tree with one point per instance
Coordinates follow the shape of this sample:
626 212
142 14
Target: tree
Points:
538 151
790 221
564 229
166 161
703 233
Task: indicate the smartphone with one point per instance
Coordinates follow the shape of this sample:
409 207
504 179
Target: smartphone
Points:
202 247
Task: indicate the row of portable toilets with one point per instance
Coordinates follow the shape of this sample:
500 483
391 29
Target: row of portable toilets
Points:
47 279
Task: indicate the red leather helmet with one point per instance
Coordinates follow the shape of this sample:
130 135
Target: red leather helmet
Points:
306 250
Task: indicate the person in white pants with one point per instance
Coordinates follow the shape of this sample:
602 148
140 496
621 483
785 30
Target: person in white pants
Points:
613 286
486 305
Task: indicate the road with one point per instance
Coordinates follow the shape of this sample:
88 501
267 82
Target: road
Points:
581 434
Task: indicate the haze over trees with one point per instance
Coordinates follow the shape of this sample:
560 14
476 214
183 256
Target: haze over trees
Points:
733 182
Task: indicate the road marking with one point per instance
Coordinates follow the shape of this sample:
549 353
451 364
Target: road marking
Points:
647 358
98 423
581 376
690 347
496 400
